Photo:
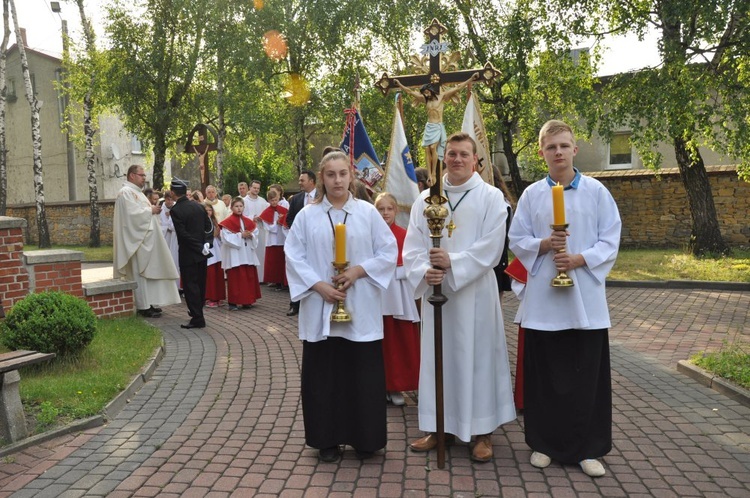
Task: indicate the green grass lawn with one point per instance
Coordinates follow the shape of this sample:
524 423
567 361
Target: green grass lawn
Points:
66 389
90 254
670 264
632 264
732 362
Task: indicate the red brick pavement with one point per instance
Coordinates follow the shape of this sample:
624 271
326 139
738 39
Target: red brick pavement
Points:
245 437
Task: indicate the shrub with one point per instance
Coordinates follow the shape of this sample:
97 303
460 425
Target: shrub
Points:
50 322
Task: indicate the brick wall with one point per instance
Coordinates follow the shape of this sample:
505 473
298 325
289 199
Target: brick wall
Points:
69 223
58 269
655 212
14 280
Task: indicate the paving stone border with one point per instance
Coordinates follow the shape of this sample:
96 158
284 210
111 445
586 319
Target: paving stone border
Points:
715 382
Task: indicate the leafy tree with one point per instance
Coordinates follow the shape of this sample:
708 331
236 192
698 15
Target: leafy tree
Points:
540 78
155 49
88 70
697 95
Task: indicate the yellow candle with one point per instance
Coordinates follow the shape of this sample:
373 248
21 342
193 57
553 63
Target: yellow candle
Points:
340 243
558 205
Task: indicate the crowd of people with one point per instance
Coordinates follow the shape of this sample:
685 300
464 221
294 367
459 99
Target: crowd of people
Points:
222 249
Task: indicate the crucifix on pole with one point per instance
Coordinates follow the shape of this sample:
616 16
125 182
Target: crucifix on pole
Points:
431 83
202 148
433 141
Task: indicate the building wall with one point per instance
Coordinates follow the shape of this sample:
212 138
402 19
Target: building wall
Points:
18 127
593 155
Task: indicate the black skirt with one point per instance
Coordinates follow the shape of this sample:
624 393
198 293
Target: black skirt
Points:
343 394
568 394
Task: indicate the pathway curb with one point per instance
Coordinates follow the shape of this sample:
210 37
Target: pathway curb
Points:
681 284
714 382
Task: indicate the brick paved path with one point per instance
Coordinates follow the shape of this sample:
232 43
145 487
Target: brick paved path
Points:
222 417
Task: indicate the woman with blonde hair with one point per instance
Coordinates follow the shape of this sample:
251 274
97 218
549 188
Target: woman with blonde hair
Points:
343 380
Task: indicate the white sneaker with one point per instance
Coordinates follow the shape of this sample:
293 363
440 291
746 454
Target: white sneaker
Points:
540 460
397 398
592 467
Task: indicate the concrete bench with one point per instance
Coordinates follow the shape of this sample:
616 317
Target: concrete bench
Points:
12 419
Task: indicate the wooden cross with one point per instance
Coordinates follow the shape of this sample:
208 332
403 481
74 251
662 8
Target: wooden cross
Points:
202 148
434 47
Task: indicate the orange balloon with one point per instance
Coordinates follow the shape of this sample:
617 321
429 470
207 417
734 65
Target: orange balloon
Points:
274 44
258 4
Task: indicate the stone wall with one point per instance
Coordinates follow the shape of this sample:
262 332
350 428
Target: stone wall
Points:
655 212
653 208
69 223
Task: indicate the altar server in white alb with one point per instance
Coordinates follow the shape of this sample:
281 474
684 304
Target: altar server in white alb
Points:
567 385
478 396
139 250
343 377
254 206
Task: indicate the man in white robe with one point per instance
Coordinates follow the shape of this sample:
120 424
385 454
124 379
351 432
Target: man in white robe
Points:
567 385
139 250
254 205
478 395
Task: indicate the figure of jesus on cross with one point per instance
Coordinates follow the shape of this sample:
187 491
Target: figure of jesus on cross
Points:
433 139
434 136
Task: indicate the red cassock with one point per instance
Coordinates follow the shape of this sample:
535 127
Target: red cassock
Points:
518 272
243 286
274 267
216 289
400 341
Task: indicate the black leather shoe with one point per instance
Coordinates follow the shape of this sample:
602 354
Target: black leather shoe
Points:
292 312
364 455
193 326
329 454
149 313
158 310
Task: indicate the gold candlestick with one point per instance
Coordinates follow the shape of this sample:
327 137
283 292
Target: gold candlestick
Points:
340 314
562 279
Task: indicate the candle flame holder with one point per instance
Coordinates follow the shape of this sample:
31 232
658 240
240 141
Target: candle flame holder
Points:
562 279
339 313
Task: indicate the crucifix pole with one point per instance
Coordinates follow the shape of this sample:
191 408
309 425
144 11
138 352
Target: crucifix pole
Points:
436 212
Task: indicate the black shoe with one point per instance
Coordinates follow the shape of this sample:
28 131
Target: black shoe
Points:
246 306
329 454
158 310
292 312
193 326
364 455
149 313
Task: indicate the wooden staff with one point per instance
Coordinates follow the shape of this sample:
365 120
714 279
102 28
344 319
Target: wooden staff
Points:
436 214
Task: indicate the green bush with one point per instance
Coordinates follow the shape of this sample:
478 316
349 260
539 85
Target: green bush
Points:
50 322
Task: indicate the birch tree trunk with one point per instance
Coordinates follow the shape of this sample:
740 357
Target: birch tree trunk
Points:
36 137
89 130
3 102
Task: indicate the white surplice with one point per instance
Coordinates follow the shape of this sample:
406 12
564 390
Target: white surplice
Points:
140 252
594 227
253 208
236 251
170 236
478 395
309 256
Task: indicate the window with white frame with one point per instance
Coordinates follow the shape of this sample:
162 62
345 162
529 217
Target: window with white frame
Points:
620 151
136 146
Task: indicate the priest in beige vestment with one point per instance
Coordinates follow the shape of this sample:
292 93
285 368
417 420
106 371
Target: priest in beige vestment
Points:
140 251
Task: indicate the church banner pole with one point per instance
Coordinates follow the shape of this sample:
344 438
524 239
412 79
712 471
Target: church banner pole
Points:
436 214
